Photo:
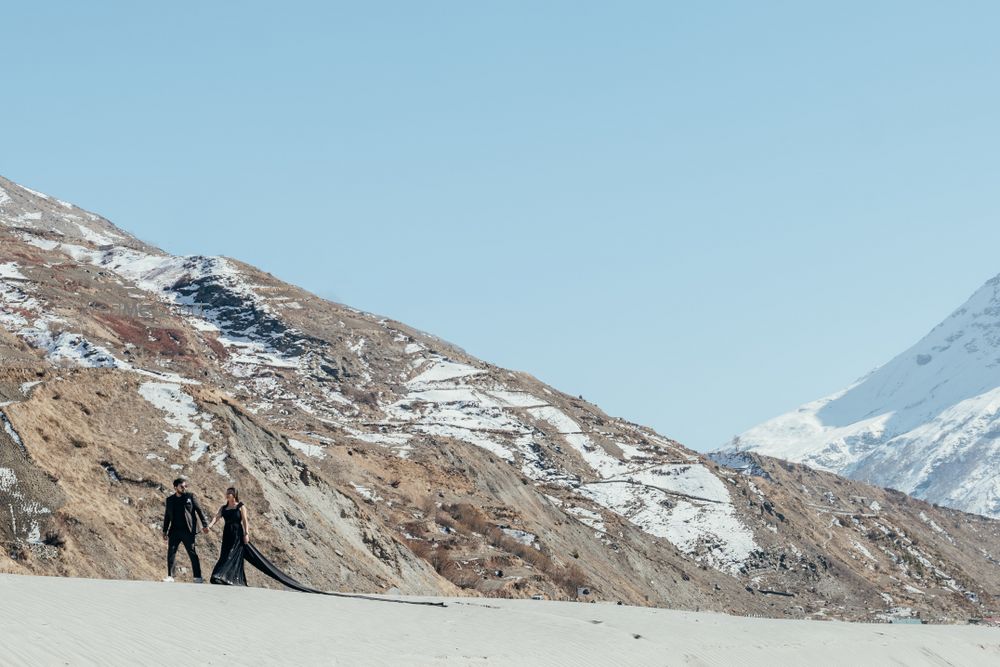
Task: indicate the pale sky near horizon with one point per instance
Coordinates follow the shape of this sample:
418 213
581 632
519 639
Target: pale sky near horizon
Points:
696 215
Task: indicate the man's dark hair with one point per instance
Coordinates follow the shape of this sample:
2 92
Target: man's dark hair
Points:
179 481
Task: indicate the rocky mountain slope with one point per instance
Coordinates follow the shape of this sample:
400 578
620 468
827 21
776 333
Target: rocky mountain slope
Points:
927 423
376 457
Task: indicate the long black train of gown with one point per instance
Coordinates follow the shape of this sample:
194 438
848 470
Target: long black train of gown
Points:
229 570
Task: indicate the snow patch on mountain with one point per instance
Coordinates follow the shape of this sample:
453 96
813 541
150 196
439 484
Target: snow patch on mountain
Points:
708 533
219 465
10 271
469 435
684 504
679 503
11 432
19 507
588 518
307 448
440 403
603 463
35 193
366 492
398 441
182 413
26 208
209 289
24 315
95 237
524 537
441 370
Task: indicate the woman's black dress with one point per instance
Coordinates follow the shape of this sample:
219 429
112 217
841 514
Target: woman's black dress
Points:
229 570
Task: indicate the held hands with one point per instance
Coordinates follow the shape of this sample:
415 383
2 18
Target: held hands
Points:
246 539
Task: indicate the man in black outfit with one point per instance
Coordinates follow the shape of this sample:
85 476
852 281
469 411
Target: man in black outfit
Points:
180 526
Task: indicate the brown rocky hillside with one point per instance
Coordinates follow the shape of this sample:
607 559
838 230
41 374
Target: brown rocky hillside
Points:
377 457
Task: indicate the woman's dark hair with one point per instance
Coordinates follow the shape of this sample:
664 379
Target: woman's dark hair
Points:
236 494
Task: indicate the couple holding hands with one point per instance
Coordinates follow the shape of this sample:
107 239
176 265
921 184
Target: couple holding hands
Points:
180 526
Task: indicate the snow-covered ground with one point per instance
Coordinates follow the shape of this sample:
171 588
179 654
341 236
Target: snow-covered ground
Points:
176 281
11 271
55 621
307 448
685 504
18 505
43 213
181 413
926 423
25 315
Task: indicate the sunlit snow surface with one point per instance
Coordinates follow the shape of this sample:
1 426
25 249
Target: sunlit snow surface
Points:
927 423
10 271
17 505
307 448
685 504
181 412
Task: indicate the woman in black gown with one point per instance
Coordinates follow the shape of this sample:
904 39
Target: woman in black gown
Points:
235 533
236 548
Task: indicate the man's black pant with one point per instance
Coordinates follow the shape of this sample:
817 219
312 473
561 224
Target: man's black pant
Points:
187 539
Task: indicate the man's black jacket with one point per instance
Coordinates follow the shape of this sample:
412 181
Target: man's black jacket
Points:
180 515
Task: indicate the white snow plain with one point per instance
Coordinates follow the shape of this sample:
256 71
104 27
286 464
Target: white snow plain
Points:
51 620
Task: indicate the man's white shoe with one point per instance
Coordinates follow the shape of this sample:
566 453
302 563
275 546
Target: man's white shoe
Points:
199 580
168 579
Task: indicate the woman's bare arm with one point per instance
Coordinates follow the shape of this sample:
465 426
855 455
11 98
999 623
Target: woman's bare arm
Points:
218 515
246 525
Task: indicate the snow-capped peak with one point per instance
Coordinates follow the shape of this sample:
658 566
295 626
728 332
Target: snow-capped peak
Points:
926 423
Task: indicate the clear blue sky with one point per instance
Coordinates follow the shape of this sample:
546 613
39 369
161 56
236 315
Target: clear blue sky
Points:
697 215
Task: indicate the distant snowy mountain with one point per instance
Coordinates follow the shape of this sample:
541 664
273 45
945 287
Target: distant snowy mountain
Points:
927 423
